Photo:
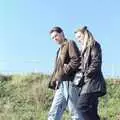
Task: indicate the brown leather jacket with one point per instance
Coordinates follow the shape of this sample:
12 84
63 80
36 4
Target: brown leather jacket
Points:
67 61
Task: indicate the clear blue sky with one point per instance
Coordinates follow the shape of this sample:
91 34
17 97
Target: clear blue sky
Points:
24 27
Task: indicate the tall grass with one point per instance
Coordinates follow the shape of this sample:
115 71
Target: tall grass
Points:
27 97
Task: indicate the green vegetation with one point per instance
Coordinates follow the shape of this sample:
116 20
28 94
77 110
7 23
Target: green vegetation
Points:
26 97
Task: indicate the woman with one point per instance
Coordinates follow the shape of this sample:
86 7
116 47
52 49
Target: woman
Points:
94 84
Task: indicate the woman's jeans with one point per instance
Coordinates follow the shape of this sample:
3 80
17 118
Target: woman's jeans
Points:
67 94
87 106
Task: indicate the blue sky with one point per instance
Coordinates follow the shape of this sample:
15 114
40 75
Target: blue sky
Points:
25 44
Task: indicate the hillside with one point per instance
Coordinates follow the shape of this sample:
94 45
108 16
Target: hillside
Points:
26 97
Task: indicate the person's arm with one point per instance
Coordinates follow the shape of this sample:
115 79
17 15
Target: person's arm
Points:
96 60
74 55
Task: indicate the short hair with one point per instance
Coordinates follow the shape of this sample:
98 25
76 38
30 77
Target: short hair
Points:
57 29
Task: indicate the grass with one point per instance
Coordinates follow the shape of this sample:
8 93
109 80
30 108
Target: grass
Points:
27 97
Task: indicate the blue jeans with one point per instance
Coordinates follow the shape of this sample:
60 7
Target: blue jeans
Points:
67 94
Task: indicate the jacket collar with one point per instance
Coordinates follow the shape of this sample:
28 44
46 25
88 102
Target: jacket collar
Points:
65 41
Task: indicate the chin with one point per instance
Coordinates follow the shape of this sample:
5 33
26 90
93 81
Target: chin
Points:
58 42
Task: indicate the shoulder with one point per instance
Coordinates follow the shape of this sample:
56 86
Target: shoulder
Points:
72 43
96 46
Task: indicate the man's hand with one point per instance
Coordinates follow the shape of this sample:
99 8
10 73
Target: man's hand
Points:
57 85
65 68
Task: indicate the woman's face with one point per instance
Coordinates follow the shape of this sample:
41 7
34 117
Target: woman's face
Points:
79 37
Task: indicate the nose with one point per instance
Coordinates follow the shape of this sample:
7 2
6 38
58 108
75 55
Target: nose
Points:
55 39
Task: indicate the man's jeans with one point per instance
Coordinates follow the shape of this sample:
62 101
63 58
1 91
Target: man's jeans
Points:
67 94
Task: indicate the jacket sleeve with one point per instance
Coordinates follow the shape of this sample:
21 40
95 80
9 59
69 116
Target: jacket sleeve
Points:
74 55
96 60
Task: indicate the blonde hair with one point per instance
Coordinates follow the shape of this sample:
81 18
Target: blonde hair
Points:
88 37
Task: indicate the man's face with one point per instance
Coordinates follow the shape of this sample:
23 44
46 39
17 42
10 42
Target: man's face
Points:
58 37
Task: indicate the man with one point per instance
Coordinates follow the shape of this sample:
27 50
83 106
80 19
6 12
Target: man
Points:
67 61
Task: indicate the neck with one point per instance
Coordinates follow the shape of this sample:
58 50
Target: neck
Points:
63 41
